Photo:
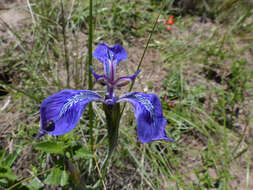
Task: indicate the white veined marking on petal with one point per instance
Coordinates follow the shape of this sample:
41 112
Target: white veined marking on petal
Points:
147 104
73 100
107 68
109 62
110 69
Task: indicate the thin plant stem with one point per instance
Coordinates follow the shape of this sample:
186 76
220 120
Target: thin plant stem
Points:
66 56
90 44
99 171
144 52
31 11
90 85
29 178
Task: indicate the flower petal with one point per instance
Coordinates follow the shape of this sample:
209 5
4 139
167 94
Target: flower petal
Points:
110 57
104 52
100 78
61 112
148 112
123 81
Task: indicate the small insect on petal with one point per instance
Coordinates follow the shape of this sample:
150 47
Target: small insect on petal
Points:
50 126
60 112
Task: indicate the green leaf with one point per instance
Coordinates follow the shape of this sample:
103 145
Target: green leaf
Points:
2 153
9 160
64 178
51 147
83 153
6 173
57 177
35 184
3 182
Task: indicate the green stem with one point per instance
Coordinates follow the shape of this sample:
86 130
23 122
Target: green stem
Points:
90 85
112 120
28 178
144 52
66 56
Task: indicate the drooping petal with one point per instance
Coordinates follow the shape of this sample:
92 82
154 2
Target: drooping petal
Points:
61 112
148 112
123 81
110 57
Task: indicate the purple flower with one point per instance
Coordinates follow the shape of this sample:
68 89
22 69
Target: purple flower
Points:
61 112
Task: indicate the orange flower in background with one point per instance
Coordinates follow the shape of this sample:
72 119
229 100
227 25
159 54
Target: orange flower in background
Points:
169 22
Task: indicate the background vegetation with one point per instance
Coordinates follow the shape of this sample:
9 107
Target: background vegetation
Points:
201 69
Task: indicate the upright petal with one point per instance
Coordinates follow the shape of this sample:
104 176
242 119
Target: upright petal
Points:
61 112
148 112
110 57
104 52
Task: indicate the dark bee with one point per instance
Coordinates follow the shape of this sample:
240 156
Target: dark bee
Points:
50 126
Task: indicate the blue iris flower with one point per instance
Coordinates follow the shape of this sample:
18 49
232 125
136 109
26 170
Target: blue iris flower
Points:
60 112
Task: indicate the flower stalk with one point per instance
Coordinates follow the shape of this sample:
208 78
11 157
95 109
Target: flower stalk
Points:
112 121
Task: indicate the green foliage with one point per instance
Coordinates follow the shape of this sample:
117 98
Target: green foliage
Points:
174 90
204 92
50 147
35 184
7 177
57 177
